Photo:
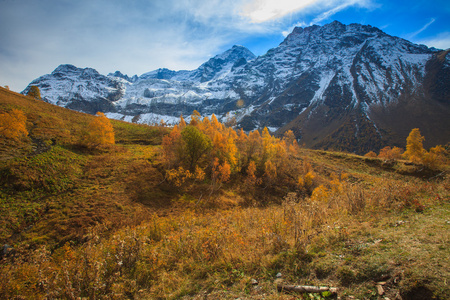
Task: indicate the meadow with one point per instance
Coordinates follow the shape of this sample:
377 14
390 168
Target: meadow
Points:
202 211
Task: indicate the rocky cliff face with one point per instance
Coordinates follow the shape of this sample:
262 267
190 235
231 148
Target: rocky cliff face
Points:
348 87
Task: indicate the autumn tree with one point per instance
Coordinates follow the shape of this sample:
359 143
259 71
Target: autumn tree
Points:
13 124
270 173
172 147
222 152
414 146
34 92
100 132
196 145
220 173
251 179
289 137
195 118
253 149
182 123
435 158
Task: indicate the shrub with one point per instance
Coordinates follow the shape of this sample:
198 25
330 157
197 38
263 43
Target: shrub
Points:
99 133
34 92
13 124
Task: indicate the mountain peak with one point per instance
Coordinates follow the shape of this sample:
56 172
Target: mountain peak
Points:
221 63
235 52
71 69
123 76
65 68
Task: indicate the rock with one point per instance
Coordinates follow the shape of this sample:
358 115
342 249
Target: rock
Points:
380 289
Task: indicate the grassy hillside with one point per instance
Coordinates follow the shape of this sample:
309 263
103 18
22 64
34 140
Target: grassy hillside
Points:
107 224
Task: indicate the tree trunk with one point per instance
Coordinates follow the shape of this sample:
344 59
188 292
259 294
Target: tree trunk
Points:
306 289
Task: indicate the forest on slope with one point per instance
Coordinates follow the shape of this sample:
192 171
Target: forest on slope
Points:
106 209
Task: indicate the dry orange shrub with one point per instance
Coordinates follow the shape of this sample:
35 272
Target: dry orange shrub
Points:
391 153
13 124
100 132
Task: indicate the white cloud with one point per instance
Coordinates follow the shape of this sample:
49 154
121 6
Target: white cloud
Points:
133 37
441 41
259 11
285 33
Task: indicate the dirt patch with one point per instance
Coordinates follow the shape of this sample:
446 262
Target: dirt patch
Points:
418 293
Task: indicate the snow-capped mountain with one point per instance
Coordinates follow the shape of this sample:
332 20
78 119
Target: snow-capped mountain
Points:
80 89
351 87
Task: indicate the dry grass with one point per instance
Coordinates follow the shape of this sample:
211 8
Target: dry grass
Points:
106 225
334 241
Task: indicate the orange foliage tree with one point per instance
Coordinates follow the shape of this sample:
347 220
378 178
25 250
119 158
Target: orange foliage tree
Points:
13 124
100 132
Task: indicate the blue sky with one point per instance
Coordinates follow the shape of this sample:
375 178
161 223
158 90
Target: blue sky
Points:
138 36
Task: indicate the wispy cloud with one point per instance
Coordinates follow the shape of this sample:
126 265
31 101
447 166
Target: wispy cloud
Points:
414 34
327 14
332 7
325 9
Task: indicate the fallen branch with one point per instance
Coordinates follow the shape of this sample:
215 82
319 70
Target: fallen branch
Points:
306 289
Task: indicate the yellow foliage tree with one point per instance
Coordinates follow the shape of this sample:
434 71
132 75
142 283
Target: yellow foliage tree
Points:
414 146
182 122
100 132
251 178
13 124
195 118
270 172
220 173
289 137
